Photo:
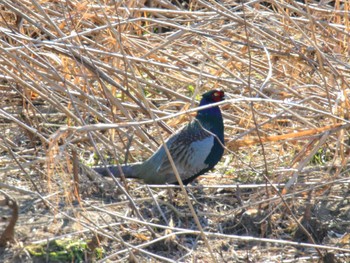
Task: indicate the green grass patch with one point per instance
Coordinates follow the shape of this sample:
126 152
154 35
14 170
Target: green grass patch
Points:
66 250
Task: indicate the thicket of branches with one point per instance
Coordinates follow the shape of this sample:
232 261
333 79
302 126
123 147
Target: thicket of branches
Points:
103 81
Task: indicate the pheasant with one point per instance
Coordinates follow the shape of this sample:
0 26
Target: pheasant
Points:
195 149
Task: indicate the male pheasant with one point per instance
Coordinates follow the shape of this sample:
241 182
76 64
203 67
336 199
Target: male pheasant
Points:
195 149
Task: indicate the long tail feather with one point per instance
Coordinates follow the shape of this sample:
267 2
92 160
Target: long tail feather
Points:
127 170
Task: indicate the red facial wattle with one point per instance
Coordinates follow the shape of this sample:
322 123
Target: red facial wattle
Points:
218 96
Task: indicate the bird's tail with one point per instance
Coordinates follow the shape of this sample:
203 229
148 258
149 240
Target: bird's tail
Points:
116 170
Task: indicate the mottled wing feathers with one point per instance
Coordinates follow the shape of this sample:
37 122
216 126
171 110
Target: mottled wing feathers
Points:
189 149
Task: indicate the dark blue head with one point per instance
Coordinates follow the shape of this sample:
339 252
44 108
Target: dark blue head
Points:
209 97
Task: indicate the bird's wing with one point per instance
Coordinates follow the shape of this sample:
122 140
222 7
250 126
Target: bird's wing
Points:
189 149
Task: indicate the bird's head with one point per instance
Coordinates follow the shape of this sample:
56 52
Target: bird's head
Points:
212 96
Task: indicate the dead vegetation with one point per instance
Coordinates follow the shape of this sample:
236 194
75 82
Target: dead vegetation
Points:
104 81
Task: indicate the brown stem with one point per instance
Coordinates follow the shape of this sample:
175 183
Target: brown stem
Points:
8 236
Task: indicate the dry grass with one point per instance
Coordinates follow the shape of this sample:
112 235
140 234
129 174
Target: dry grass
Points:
69 66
